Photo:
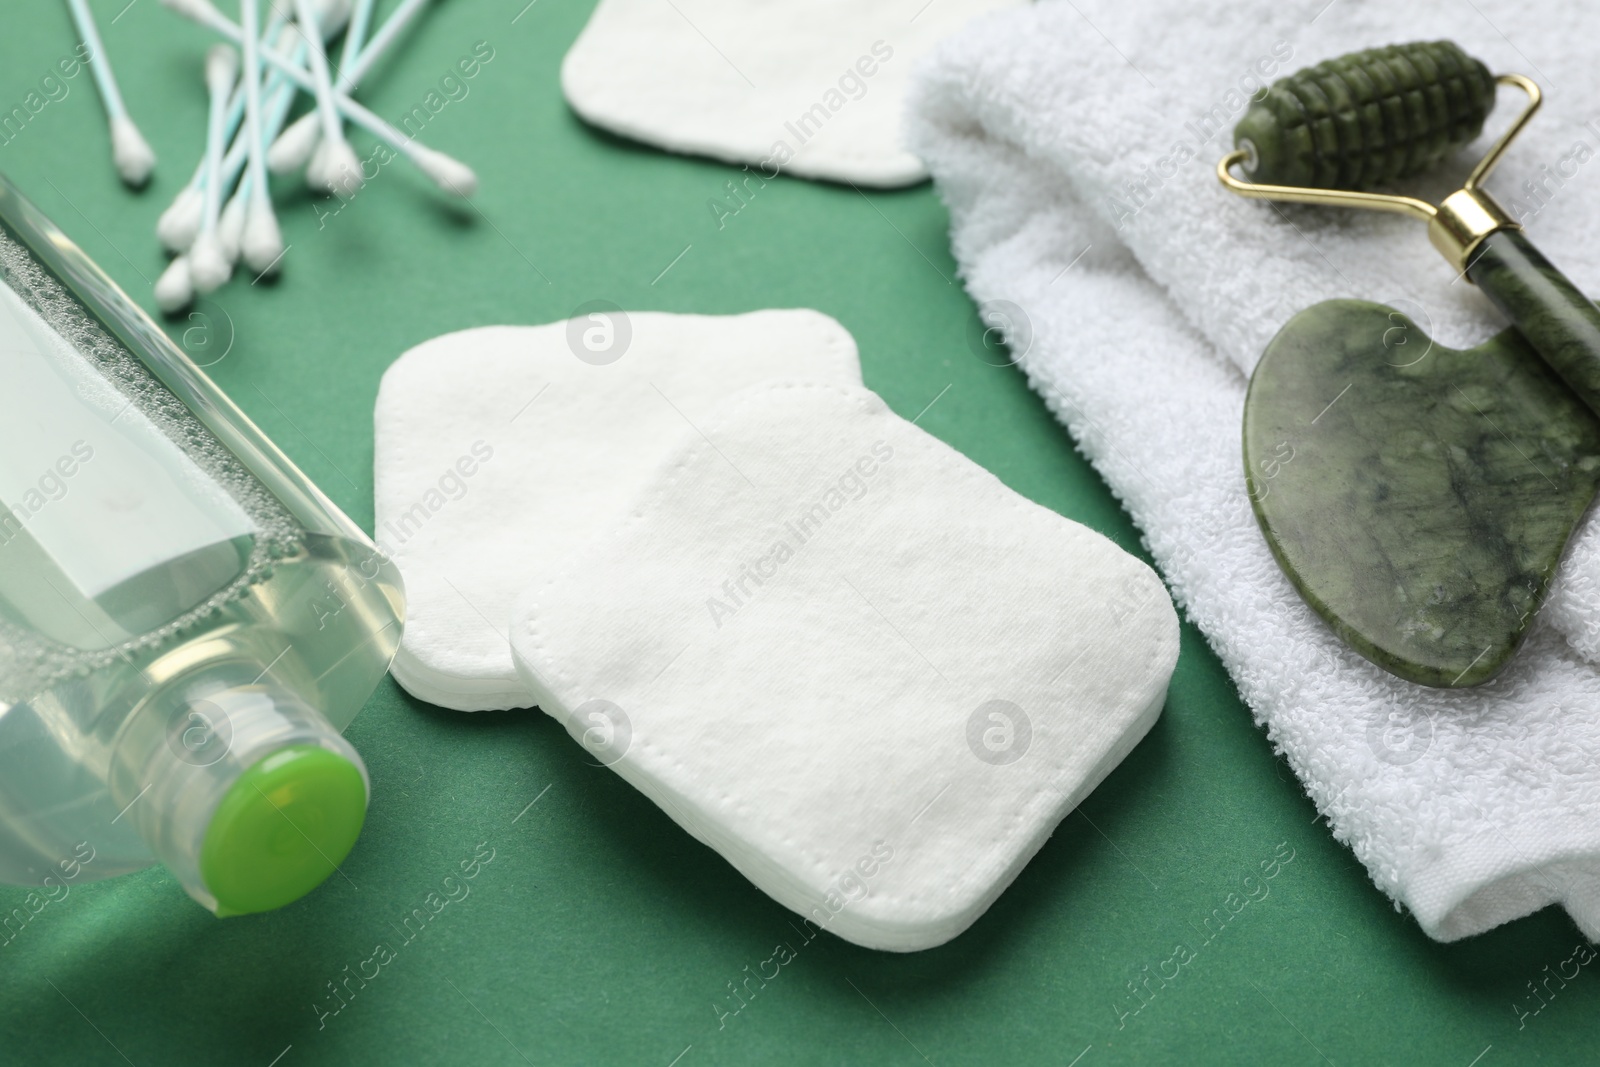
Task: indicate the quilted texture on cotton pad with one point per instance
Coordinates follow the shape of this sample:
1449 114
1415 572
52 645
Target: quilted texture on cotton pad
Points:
851 660
735 79
498 451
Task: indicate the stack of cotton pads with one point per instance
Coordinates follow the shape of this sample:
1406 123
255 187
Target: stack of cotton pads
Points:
826 644
503 449
810 87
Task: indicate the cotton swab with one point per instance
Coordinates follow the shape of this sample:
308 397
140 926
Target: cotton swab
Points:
334 165
374 49
262 242
129 150
234 221
193 209
262 245
449 174
355 37
208 265
178 225
230 224
175 288
295 145
180 222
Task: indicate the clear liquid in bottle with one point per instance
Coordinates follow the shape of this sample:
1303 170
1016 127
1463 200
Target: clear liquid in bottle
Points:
186 622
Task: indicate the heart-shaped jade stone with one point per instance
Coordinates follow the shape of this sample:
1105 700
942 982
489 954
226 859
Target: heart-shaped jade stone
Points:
1419 497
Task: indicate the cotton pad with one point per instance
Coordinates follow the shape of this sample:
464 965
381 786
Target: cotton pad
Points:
499 450
851 660
811 87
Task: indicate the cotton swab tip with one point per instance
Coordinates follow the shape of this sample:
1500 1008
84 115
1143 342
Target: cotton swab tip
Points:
230 228
451 175
198 10
131 152
334 167
179 224
207 266
294 145
263 243
175 288
222 68
331 15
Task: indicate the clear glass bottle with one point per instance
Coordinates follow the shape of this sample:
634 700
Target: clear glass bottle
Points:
186 622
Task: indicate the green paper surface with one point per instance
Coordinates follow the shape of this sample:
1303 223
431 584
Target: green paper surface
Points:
533 908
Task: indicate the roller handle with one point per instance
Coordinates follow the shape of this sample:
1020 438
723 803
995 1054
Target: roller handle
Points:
1562 324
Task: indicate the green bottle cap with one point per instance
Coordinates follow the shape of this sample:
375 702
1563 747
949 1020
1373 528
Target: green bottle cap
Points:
282 828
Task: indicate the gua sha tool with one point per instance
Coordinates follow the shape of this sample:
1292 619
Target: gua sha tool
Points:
1418 497
1423 513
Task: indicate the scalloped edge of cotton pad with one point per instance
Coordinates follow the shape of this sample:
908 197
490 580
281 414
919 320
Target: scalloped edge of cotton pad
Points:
590 84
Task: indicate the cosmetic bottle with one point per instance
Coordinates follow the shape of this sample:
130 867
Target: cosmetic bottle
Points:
187 624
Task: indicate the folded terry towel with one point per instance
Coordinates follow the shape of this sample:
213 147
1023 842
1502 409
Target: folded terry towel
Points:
1074 142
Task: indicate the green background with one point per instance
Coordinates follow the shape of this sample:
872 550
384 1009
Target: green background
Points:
600 932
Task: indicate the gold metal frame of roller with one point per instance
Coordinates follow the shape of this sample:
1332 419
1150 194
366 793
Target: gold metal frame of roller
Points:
1456 226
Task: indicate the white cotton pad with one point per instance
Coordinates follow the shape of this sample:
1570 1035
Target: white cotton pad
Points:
500 450
814 87
851 660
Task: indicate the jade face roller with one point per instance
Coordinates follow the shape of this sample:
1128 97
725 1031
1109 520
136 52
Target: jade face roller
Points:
1419 498
1324 135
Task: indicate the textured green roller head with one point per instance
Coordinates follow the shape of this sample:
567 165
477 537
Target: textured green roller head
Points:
1366 118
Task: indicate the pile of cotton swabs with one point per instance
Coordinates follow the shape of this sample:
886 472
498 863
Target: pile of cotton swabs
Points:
224 215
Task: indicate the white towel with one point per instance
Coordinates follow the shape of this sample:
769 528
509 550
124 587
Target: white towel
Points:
1070 141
